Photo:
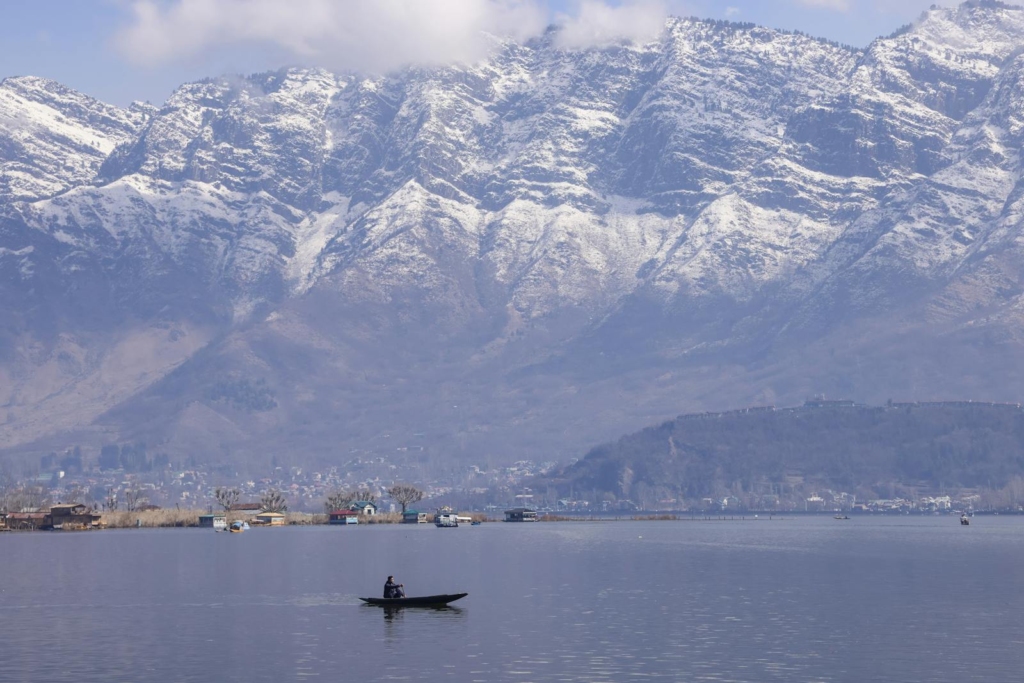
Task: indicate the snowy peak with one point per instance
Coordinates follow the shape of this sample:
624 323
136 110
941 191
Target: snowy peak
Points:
724 186
53 138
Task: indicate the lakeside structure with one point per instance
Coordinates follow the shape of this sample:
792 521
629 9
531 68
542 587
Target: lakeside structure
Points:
67 516
415 517
269 519
343 517
520 515
364 507
213 521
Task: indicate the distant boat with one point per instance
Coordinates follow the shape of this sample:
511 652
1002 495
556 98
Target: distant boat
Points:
965 520
476 523
421 601
840 517
238 527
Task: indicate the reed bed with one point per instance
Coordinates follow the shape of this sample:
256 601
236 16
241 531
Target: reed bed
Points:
122 519
381 518
305 518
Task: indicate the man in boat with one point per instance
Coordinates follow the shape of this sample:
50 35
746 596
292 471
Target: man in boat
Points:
392 589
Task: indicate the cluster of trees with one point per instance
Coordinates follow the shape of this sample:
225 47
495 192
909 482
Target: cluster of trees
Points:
271 501
14 497
131 500
341 500
71 461
252 396
846 448
403 494
131 457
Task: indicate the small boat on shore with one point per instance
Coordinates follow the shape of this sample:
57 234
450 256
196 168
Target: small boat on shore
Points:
419 601
238 527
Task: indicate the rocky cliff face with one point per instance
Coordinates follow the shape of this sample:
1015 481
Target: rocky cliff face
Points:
546 248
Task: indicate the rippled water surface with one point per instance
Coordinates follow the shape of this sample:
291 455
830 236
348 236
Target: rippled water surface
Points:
806 599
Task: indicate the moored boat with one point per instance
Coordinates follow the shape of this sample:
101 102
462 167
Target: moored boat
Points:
416 601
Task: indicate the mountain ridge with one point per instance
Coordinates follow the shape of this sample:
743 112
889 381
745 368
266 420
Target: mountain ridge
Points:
545 238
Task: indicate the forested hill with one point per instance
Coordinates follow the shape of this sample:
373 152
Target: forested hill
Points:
822 444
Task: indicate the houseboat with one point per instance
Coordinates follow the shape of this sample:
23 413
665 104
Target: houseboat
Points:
520 515
415 517
213 521
446 519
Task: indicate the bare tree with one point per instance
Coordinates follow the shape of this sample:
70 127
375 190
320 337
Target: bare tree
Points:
273 501
339 500
110 502
405 495
226 498
364 494
132 499
76 494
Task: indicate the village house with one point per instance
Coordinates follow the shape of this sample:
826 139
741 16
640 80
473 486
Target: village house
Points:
364 507
28 521
343 517
73 516
269 519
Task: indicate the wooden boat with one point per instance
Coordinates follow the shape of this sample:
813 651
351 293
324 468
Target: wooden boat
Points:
420 601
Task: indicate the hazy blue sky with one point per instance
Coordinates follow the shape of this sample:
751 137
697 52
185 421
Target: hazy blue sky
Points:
121 50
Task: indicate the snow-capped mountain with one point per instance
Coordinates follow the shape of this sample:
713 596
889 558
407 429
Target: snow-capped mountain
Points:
535 252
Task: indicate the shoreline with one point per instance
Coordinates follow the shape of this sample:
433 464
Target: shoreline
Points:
177 519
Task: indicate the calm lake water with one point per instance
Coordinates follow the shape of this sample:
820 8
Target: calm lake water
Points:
804 599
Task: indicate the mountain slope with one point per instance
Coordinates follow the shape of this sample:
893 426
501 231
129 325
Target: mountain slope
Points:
488 260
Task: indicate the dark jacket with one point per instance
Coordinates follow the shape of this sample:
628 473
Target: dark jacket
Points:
392 589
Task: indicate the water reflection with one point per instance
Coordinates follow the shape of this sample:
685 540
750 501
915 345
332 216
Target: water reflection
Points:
395 612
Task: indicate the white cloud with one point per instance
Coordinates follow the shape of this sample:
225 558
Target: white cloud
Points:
598 23
365 35
838 5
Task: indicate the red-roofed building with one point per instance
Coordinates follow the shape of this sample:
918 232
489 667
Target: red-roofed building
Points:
343 517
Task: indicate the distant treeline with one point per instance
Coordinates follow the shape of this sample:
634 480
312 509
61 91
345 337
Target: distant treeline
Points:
130 457
835 445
